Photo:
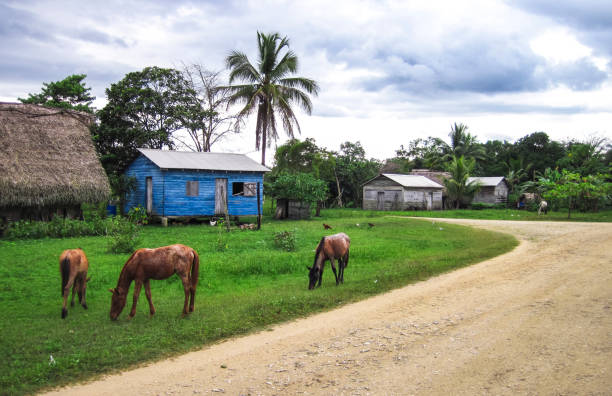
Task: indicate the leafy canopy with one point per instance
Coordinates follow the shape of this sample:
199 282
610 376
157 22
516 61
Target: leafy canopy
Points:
268 88
69 93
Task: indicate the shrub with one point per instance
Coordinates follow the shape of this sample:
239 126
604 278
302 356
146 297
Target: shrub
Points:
285 240
124 235
483 205
138 215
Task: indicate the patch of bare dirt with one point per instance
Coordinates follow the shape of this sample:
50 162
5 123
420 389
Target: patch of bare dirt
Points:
537 320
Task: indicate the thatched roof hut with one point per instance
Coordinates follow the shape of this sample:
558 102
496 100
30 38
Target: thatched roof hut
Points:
47 160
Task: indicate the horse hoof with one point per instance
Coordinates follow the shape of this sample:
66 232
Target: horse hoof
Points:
64 313
85 306
72 303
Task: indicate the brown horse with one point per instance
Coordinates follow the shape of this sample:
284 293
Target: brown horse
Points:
73 267
330 248
160 263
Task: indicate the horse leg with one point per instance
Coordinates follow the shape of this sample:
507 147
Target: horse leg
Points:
321 274
67 288
147 286
192 291
334 269
187 289
74 287
137 286
82 290
341 270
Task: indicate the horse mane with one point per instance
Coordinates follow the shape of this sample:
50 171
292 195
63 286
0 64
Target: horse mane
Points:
319 249
125 266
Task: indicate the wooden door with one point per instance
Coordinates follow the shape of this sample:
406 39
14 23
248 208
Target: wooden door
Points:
429 197
149 196
380 200
220 196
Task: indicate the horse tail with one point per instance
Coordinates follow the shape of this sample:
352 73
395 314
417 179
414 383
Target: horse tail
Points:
65 270
319 249
195 268
346 258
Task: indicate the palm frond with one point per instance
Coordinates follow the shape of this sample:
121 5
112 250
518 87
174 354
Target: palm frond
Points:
241 68
307 84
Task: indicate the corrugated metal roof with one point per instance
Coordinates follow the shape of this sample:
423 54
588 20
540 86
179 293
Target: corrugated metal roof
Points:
203 161
412 180
487 181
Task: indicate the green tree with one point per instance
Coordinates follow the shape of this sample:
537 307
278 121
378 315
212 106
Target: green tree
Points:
586 158
268 88
463 143
572 189
537 149
299 186
69 93
352 170
459 190
296 156
143 110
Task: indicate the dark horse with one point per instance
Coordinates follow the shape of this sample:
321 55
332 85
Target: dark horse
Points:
73 267
160 263
330 248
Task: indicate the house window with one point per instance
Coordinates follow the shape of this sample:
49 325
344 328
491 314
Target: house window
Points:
244 189
192 188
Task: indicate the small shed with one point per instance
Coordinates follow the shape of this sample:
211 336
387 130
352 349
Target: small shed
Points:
190 184
48 163
390 191
493 190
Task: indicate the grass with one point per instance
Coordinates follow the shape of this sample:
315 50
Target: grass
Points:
484 214
247 285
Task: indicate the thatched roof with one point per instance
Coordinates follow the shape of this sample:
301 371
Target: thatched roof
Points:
47 158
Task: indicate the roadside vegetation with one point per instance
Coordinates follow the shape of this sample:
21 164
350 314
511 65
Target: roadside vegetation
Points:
248 281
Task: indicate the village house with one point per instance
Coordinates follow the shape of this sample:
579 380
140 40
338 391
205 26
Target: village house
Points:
493 190
390 191
48 163
188 184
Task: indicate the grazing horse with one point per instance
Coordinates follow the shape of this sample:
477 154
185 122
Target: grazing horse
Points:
160 263
543 207
330 248
73 267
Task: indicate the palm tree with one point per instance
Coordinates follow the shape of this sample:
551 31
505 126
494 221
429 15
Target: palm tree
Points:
463 143
457 187
269 89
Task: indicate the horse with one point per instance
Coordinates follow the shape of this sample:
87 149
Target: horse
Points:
160 263
543 207
330 248
73 268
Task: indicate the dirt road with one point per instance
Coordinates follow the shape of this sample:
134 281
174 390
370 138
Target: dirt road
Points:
537 320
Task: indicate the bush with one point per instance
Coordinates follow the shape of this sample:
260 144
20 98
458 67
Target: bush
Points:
58 227
124 235
482 205
285 240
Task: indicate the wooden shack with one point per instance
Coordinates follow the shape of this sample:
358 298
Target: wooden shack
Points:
190 184
390 191
493 190
48 163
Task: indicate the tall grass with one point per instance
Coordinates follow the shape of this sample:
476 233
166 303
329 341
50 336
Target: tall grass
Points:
248 285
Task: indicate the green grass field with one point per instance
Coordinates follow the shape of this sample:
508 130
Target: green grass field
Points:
248 286
484 214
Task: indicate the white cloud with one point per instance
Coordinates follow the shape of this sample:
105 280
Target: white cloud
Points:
389 71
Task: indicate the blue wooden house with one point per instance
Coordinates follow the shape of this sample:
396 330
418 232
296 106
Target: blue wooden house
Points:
183 184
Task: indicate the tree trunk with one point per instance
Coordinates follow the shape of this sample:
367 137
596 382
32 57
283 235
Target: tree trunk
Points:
339 198
318 212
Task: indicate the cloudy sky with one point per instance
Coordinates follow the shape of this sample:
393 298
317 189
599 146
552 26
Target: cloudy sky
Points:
389 71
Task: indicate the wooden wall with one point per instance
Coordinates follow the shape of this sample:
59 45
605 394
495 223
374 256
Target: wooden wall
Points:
170 195
492 195
397 197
